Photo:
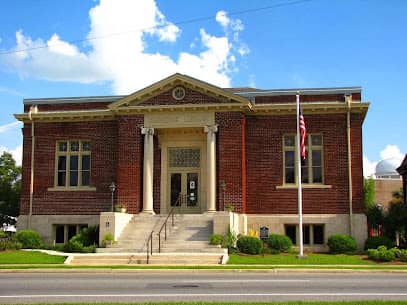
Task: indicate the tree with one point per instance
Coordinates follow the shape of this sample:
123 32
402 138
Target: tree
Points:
369 193
10 188
396 218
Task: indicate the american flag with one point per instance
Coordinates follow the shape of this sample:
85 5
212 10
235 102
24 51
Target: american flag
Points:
303 136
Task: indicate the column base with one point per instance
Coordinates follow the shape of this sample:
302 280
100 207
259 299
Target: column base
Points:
150 212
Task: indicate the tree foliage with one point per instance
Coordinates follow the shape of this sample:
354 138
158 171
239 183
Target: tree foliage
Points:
396 218
10 187
369 193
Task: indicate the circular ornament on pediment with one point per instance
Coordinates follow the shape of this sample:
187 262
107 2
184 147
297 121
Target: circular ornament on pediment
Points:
178 93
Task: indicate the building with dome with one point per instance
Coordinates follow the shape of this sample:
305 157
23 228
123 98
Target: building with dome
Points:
387 180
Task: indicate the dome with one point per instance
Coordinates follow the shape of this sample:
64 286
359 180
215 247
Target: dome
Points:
387 168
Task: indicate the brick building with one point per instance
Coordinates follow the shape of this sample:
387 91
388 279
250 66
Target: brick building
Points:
218 147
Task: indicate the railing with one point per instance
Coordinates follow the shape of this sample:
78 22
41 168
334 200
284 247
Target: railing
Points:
177 205
149 247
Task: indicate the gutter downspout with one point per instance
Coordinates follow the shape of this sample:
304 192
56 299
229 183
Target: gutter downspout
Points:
33 109
348 100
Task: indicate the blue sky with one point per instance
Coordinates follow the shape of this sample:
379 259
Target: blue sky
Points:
288 44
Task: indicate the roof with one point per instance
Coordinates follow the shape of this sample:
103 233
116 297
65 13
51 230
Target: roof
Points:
246 92
402 169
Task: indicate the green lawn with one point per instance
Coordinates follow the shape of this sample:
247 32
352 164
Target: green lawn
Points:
291 259
252 303
29 257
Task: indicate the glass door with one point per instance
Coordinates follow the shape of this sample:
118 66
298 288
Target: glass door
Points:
184 191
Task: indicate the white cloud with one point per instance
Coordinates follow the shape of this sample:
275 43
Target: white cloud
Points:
56 45
369 167
9 126
391 151
17 153
118 41
222 18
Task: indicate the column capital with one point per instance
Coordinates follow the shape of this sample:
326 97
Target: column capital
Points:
148 131
211 128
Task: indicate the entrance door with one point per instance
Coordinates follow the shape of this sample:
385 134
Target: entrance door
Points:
185 191
184 184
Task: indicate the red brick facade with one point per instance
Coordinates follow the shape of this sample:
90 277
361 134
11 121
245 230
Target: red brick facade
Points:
102 135
249 156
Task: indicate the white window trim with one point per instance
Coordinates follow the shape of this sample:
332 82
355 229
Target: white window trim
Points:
309 149
68 154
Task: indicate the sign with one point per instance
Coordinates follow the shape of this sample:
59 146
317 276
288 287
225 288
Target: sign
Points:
264 233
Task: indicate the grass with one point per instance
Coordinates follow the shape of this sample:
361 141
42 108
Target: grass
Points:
29 257
268 303
291 259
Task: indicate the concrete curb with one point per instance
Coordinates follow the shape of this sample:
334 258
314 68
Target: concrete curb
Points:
152 270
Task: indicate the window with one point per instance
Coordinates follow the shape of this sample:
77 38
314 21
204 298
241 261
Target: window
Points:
73 164
313 234
311 169
64 232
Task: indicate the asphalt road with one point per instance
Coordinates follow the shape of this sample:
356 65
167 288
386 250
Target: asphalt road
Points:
151 286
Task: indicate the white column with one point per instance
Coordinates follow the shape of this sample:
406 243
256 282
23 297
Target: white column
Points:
148 170
211 167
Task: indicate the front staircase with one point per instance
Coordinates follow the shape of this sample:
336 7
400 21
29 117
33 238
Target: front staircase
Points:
187 243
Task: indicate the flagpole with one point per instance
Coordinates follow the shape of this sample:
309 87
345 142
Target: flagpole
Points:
299 179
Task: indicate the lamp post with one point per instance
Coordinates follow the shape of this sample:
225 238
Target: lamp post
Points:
112 188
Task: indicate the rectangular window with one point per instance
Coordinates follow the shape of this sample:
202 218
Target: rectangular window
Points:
311 168
313 234
318 234
73 164
64 232
291 232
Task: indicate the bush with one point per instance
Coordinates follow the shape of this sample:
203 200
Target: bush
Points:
249 245
74 246
382 254
376 241
29 239
403 255
215 239
229 241
7 244
279 243
89 236
341 243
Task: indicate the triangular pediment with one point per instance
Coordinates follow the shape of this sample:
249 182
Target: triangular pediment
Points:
192 93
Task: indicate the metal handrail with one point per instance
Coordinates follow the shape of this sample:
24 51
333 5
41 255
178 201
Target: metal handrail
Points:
149 247
177 204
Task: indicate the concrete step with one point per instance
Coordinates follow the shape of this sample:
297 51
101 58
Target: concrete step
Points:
158 258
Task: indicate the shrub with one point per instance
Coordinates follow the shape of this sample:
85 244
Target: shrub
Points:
376 241
89 236
382 254
341 243
108 239
229 241
7 244
279 243
29 239
403 255
215 239
74 244
373 254
249 245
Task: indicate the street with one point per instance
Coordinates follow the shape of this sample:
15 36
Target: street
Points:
149 286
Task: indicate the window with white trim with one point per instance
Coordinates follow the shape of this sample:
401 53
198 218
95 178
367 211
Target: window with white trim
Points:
311 168
72 163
